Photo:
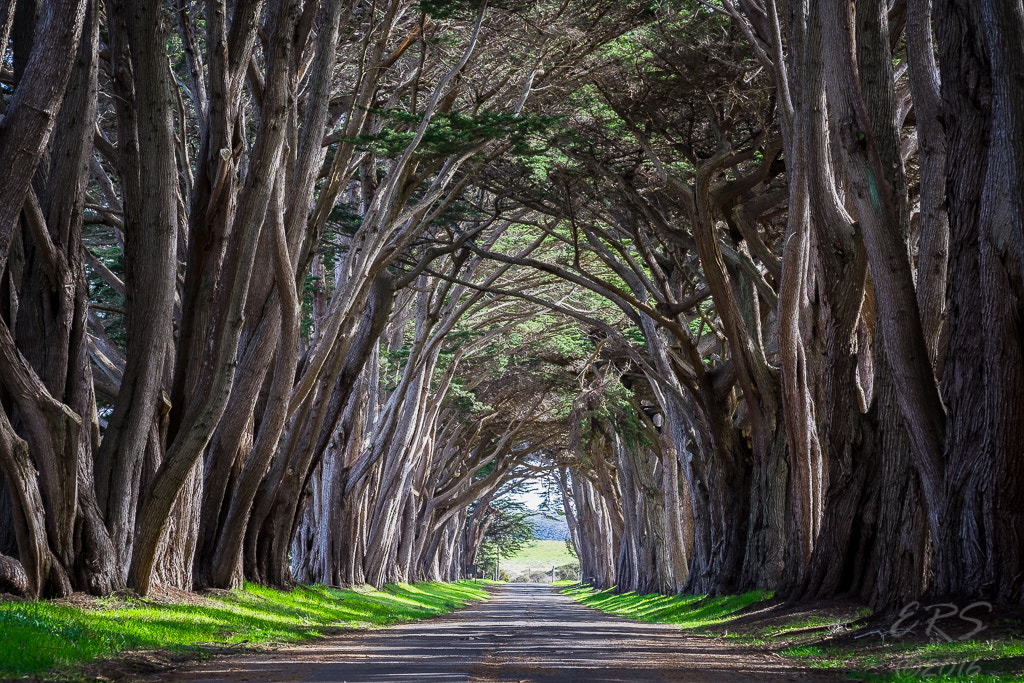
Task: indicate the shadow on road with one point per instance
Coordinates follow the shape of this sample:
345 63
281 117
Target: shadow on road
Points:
525 632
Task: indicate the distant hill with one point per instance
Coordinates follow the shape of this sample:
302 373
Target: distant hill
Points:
550 529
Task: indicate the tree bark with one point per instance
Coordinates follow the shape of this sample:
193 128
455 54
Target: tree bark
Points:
29 118
980 547
865 147
148 173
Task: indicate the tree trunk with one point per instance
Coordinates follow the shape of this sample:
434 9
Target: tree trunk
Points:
30 116
863 107
933 223
981 545
144 102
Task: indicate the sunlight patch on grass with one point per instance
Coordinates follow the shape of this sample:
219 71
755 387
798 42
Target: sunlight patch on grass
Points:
41 638
687 611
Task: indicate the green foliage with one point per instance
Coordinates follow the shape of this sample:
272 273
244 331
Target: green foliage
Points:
635 335
616 407
107 302
544 334
571 342
465 401
45 639
344 219
448 9
392 363
451 133
309 288
509 531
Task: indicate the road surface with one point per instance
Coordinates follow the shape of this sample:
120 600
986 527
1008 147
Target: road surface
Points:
525 632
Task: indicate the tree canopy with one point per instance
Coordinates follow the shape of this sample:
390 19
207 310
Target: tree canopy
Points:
302 290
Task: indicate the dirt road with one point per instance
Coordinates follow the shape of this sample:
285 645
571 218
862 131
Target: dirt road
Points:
525 632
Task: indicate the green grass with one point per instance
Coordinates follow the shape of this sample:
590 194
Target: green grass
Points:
823 638
995 658
47 639
977 661
538 556
687 611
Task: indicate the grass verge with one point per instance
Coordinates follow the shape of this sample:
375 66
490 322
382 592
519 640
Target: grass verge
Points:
839 636
63 638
